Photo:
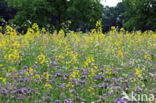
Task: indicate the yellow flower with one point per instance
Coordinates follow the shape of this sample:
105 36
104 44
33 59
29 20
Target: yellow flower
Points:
47 76
120 54
10 31
113 28
27 73
133 80
30 71
139 75
1 65
138 71
41 58
122 29
43 30
35 27
3 80
148 57
89 90
93 94
37 76
48 86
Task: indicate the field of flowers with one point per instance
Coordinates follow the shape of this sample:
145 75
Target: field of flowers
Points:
40 67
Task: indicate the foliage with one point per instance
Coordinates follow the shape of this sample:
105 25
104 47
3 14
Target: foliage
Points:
113 16
93 67
140 14
57 12
6 12
84 13
34 11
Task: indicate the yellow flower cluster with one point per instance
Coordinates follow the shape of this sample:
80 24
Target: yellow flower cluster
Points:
10 31
47 86
108 72
4 80
42 59
138 72
74 52
30 71
148 57
47 75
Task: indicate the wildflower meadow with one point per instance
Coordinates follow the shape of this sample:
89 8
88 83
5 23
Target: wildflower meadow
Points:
92 67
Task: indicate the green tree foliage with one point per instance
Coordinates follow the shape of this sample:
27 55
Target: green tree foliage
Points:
140 14
6 12
30 10
113 16
56 12
84 13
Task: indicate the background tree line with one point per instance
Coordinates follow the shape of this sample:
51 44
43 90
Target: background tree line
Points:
83 14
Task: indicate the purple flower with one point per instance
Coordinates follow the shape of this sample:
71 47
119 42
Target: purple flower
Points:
55 63
68 101
35 66
21 91
83 77
85 71
103 85
138 90
155 65
57 101
101 69
82 81
66 76
104 96
25 79
115 73
10 86
120 100
72 91
20 97
4 91
94 86
62 86
80 99
48 99
98 77
25 67
58 75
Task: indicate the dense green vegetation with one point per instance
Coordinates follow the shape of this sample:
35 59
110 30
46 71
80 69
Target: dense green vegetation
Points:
80 14
140 14
57 12
6 12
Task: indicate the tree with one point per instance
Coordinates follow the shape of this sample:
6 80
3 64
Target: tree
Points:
84 13
30 10
6 12
56 12
140 14
113 16
120 9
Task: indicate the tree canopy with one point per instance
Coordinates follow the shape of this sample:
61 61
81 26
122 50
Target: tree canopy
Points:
140 14
80 12
5 11
113 16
